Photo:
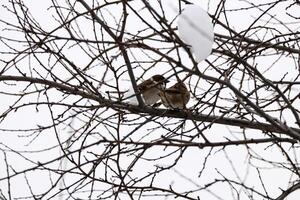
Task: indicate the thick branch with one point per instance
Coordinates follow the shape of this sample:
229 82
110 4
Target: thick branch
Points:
149 110
165 142
288 191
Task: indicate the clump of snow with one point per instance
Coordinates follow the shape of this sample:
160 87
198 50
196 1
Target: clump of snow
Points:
196 30
130 97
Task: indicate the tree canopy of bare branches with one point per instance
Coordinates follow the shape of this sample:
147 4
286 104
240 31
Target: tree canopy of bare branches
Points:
68 131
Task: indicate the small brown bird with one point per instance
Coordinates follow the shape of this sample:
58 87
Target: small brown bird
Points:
151 88
175 97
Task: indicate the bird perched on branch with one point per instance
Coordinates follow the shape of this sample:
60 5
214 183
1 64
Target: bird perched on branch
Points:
175 97
151 88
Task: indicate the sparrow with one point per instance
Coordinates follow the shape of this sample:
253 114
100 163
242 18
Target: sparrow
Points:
151 88
175 97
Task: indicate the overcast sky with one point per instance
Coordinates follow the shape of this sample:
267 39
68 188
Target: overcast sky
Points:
179 176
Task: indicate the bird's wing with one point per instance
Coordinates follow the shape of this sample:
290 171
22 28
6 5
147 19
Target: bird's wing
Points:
172 91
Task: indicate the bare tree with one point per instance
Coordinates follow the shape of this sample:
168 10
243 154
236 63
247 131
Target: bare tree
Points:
68 132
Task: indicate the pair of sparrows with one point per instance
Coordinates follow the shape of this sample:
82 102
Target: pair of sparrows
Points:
154 89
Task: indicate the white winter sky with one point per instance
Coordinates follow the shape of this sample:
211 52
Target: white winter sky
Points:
27 117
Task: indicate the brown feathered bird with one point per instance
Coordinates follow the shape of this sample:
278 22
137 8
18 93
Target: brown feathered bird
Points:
175 97
151 88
